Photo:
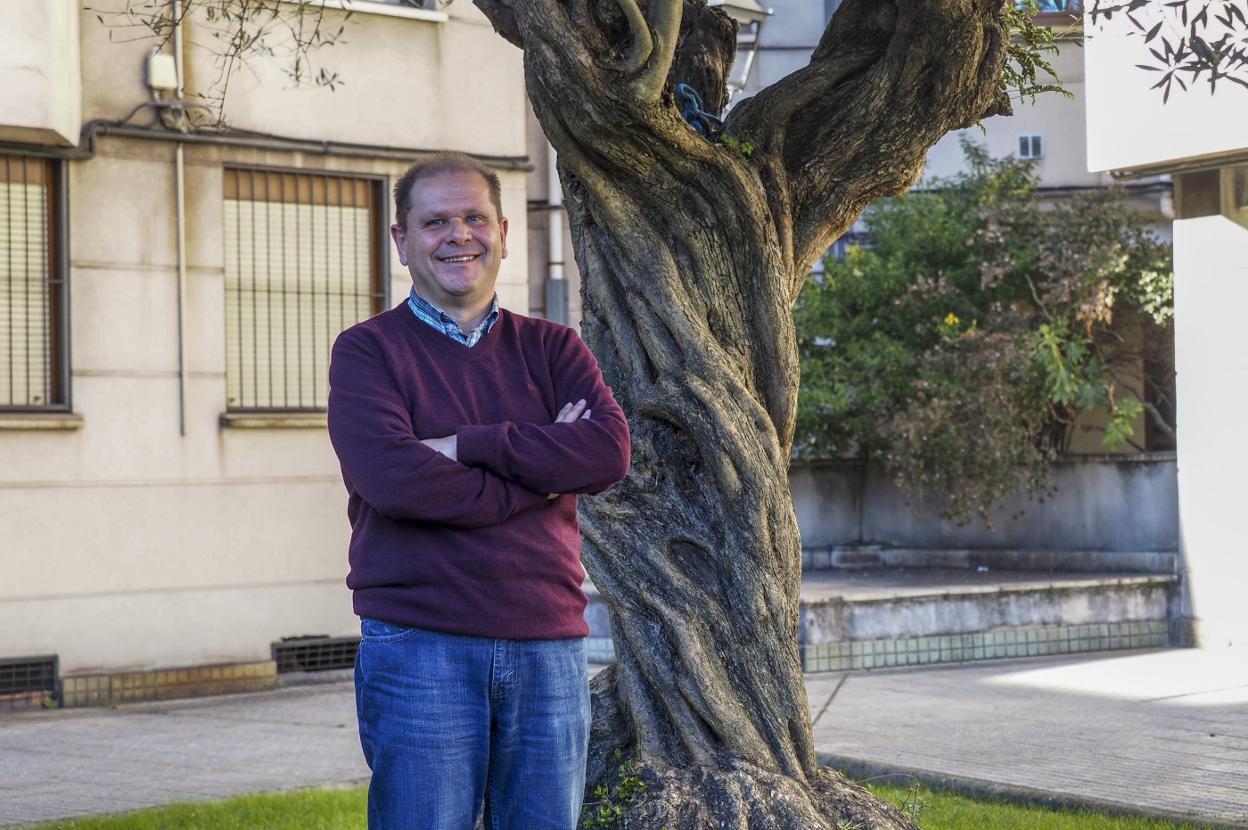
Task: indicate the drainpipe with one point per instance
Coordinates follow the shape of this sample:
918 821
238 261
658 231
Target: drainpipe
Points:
556 284
179 178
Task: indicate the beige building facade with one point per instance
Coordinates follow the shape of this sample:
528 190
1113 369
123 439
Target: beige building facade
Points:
168 494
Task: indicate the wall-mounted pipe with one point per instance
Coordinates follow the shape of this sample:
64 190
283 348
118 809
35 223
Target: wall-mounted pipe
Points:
179 185
556 283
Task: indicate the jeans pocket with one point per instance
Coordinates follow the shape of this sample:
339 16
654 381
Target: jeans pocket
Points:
379 631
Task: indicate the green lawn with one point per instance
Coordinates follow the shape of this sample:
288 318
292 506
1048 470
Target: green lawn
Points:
342 809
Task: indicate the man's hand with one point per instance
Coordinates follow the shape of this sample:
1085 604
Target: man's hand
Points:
571 412
448 446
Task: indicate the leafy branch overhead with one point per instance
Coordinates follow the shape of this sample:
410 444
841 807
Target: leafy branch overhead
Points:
1186 40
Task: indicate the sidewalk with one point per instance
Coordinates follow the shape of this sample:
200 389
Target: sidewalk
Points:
1163 732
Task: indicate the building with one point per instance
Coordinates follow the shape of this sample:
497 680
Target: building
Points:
168 297
1201 140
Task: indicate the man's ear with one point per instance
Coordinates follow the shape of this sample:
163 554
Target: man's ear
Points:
502 226
400 242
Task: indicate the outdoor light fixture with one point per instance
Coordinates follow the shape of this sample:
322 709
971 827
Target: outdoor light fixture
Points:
750 17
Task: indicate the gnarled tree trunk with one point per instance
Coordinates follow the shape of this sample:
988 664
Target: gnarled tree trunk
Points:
692 253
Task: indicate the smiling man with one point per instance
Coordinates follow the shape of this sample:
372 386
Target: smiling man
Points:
464 432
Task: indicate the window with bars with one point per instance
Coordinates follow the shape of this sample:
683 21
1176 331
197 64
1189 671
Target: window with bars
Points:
32 286
304 259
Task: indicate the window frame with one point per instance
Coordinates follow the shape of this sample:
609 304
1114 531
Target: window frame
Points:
379 292
60 392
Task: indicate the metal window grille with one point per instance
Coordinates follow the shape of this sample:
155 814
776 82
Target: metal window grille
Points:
315 653
31 286
303 261
27 681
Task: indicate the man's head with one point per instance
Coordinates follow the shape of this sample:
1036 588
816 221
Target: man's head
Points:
450 231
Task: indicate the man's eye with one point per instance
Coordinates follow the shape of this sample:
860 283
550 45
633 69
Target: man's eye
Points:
435 223
477 218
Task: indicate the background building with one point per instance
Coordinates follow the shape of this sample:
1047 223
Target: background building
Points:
168 296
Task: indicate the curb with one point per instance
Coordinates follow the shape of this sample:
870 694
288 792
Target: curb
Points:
860 771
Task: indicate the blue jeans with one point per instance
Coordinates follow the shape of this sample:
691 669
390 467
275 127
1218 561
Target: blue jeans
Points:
458 728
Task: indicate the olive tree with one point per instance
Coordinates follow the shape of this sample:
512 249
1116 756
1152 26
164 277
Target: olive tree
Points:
692 253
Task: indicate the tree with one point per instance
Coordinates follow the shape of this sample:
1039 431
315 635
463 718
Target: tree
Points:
693 253
959 347
693 249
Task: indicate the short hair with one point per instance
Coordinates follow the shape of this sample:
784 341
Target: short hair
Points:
437 164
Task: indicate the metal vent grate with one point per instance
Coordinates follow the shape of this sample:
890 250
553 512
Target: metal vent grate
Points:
26 682
315 653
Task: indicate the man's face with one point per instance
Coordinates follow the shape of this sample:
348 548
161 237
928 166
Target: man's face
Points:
454 241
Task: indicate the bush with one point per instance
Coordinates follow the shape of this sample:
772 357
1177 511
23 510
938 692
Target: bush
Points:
960 346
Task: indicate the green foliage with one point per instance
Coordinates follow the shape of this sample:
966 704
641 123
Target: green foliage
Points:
1027 57
945 811
612 802
959 348
744 148
311 809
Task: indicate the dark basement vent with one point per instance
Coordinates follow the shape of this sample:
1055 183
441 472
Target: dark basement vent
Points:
315 653
26 682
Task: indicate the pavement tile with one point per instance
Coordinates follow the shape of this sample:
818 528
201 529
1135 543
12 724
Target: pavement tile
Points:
1130 728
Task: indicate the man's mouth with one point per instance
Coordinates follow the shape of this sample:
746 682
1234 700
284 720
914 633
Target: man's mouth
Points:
460 258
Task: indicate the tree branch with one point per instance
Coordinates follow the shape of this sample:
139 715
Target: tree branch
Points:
887 80
665 15
502 16
642 47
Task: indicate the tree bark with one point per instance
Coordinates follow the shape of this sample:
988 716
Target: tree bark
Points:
692 253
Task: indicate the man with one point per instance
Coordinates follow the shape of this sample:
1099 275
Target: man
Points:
464 432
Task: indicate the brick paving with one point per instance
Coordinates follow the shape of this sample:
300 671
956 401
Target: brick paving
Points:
1162 732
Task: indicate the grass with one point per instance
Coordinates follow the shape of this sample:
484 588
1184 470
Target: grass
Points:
344 809
943 811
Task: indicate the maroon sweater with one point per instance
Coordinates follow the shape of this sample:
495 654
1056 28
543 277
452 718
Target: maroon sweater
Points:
474 546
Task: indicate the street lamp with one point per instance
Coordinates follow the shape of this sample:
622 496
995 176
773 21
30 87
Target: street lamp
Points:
750 17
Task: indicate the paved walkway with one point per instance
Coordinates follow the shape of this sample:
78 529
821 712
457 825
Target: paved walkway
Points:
1157 731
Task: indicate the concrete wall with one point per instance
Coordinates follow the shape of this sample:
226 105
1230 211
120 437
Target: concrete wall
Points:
39 71
1124 506
1211 292
1129 125
124 544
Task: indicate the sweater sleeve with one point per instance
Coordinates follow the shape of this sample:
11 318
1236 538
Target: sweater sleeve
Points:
586 456
386 464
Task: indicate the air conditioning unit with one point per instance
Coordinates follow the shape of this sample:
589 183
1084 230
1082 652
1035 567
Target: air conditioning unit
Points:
1030 146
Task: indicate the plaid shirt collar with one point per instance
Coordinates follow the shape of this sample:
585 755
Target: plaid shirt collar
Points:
429 313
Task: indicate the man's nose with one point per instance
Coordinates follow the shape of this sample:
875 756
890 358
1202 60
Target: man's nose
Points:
459 230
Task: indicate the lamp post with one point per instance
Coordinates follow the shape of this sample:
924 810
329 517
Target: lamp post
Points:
750 17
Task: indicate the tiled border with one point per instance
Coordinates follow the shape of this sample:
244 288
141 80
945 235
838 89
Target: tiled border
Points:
984 645
162 684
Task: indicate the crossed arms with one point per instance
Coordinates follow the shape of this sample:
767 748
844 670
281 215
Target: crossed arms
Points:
493 471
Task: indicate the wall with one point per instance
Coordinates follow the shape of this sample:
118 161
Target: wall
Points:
39 71
1121 506
1211 293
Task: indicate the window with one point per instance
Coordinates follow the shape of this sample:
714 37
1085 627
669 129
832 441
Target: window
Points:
33 368
1030 146
304 259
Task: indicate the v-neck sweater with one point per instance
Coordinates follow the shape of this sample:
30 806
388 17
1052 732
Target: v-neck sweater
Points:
474 546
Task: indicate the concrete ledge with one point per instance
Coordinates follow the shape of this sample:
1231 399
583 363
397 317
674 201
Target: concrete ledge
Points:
859 770
274 420
163 684
40 420
1003 559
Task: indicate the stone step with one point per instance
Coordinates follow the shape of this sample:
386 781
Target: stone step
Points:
885 617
